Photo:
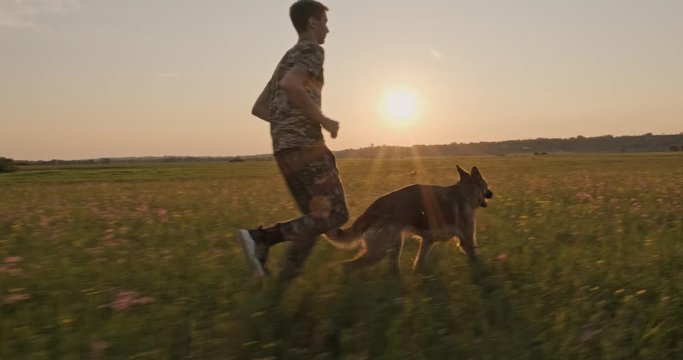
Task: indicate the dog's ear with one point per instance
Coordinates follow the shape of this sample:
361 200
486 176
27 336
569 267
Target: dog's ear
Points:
475 172
463 174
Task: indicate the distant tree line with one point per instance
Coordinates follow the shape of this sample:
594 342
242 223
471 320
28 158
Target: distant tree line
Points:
7 165
149 159
540 146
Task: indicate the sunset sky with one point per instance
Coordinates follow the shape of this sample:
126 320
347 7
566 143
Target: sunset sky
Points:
111 78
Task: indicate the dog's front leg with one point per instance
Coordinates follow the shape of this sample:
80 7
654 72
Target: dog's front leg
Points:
426 246
467 241
465 233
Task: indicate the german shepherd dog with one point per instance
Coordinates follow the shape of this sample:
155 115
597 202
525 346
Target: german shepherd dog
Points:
434 213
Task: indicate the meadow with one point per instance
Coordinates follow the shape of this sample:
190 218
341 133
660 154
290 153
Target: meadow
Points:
581 257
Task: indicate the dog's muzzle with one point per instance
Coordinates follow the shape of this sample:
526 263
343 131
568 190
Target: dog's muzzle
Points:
487 195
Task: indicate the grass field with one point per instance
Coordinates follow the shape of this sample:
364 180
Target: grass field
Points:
581 258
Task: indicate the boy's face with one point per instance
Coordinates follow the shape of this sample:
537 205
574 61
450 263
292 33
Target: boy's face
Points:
319 28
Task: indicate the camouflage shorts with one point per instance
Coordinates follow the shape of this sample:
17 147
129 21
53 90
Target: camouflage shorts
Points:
313 179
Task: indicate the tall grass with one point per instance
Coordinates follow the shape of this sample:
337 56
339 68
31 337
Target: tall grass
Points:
580 258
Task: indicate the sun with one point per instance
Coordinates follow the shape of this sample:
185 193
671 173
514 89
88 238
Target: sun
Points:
400 105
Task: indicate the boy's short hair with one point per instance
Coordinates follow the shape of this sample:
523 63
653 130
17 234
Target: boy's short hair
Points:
302 10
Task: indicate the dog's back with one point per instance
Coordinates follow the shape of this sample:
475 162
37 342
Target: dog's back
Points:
417 206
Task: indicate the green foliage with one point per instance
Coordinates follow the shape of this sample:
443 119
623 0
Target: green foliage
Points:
7 165
580 258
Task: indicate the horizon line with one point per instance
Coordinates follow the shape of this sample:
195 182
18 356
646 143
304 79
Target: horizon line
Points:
371 145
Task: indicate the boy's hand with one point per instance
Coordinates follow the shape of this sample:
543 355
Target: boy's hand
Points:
331 126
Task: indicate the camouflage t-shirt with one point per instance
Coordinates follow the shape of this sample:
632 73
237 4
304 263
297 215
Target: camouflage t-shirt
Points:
289 127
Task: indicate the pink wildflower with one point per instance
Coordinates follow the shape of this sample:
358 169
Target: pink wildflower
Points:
127 299
13 259
162 214
13 298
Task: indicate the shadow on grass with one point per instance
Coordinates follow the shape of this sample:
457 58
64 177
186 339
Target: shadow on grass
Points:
373 316
504 330
338 320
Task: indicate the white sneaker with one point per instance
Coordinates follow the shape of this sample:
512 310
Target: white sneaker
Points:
249 247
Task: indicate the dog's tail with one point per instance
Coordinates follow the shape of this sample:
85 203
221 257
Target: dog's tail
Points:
350 237
344 238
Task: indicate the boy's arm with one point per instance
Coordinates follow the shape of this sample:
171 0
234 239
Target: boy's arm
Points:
261 108
294 85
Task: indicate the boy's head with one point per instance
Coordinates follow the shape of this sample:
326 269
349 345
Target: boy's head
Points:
308 16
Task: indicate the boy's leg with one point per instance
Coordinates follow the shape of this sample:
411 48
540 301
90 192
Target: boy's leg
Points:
313 178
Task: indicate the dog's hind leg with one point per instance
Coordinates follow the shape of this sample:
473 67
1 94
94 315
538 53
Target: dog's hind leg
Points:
394 253
375 250
426 246
364 259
